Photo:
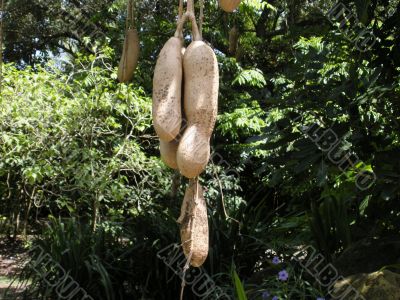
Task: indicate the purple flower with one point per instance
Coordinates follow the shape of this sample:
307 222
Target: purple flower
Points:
275 298
320 298
276 260
265 295
283 275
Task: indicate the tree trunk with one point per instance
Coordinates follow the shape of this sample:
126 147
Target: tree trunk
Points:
261 26
176 182
26 219
1 45
95 211
17 215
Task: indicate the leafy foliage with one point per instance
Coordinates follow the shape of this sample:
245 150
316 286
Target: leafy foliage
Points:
71 144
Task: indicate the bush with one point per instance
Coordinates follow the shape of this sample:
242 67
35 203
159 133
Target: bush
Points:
75 145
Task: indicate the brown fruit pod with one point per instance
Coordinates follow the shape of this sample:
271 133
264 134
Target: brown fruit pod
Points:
168 153
229 5
130 56
194 224
201 76
167 88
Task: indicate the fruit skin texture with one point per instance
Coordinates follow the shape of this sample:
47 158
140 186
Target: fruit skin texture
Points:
168 153
194 224
229 5
193 151
130 56
167 85
201 78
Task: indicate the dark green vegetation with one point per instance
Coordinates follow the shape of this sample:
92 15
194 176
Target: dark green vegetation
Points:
79 161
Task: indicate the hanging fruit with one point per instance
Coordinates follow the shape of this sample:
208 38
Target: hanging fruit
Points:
168 153
131 49
229 5
200 105
194 224
167 87
187 148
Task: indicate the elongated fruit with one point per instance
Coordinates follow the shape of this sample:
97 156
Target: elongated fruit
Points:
194 224
229 5
201 78
168 153
130 56
167 85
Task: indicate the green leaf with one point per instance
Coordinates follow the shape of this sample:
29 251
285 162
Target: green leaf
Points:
251 77
364 204
239 287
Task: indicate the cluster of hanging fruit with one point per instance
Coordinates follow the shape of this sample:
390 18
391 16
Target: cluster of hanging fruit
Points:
185 104
131 49
185 133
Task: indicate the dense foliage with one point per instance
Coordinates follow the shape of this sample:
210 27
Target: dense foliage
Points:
305 114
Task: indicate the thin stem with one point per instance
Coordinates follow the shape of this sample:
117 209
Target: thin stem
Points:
197 190
185 268
130 15
192 17
190 6
227 217
179 27
195 30
134 15
180 10
201 18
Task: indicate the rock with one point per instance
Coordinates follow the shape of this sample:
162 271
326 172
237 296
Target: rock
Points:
380 285
368 255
